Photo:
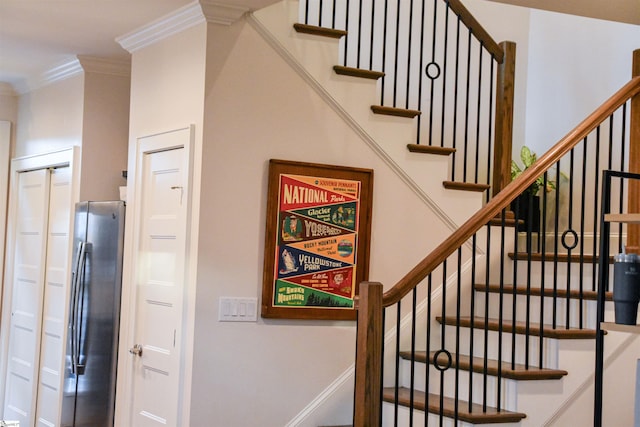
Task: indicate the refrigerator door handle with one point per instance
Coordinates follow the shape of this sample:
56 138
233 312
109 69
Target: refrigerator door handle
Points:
73 321
76 309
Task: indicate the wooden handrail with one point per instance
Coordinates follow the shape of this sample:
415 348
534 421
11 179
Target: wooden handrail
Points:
477 29
510 192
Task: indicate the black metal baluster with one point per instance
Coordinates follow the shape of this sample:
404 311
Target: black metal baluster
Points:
372 38
517 208
556 223
427 386
458 306
384 51
594 261
409 55
485 367
543 250
444 73
346 28
478 116
565 243
396 60
433 62
529 240
397 366
413 355
454 136
500 310
466 108
473 313
333 15
582 213
443 338
490 129
420 77
359 36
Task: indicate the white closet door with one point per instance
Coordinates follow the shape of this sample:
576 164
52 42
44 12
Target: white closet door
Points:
27 296
53 313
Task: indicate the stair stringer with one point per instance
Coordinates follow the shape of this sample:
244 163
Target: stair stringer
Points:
313 57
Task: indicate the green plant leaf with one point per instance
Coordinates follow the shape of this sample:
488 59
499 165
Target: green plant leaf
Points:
527 156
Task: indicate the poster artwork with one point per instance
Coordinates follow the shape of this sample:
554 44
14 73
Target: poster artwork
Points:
316 254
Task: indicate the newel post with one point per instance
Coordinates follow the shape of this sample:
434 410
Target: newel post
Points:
368 382
633 231
504 118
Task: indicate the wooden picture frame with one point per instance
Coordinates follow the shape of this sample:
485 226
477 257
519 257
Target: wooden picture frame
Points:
317 240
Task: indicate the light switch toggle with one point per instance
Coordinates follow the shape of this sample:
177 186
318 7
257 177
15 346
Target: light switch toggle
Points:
234 309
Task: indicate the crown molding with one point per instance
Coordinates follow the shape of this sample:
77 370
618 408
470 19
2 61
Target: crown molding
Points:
114 67
59 72
223 14
176 22
63 70
182 19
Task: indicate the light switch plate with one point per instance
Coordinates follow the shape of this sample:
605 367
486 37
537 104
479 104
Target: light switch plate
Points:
233 309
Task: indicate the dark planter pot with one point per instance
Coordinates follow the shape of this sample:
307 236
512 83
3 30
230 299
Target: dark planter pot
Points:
520 207
526 209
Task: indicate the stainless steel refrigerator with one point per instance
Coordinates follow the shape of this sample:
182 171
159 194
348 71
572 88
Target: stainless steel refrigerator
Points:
92 345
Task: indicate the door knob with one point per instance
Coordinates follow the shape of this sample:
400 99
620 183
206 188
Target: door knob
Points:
136 350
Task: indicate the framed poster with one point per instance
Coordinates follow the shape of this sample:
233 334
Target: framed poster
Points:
316 241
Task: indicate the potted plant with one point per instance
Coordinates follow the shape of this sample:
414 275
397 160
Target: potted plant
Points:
526 206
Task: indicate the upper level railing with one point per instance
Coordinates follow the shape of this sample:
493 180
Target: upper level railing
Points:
439 296
441 67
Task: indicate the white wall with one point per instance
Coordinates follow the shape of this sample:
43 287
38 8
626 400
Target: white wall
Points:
50 118
575 64
509 23
104 135
566 66
258 108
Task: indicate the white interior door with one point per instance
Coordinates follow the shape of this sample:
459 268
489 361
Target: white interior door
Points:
160 282
27 296
52 344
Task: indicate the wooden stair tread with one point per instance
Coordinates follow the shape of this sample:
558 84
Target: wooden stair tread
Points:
430 149
516 372
520 328
509 219
562 257
465 186
508 222
393 111
536 291
357 72
476 416
319 31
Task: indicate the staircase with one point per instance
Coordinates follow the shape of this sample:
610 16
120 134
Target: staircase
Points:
483 333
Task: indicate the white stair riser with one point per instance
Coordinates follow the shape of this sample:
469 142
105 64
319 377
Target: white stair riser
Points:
534 304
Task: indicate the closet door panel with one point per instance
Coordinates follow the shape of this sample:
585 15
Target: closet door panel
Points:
27 296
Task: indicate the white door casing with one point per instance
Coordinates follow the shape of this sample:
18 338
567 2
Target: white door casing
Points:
151 390
26 274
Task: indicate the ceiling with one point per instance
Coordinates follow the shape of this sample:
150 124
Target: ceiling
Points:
37 35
